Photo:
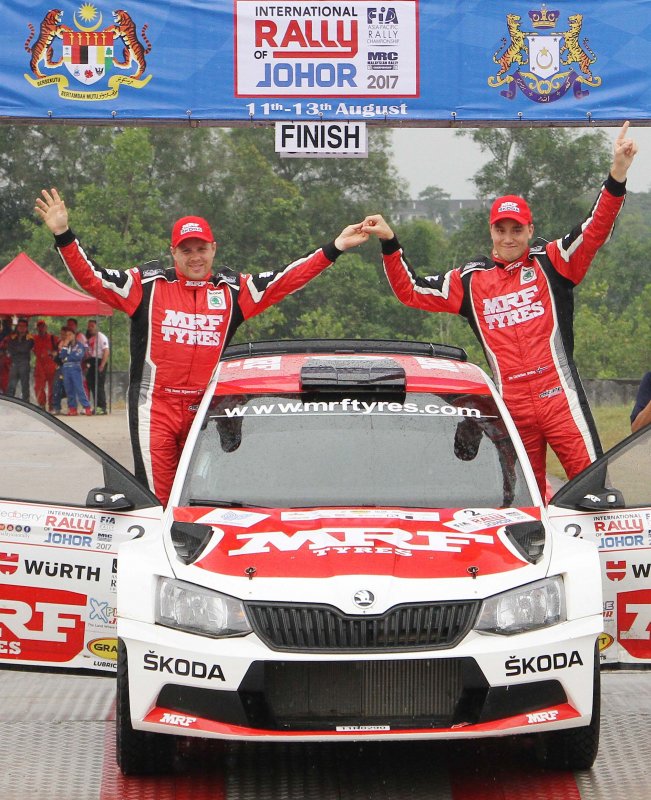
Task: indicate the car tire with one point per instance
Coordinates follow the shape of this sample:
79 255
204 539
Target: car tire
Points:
574 748
138 752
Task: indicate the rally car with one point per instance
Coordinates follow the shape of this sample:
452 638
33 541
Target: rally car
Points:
355 548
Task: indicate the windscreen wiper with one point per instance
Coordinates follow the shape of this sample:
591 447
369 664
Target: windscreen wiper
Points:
200 501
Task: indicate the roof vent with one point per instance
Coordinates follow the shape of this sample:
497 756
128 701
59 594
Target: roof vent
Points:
334 374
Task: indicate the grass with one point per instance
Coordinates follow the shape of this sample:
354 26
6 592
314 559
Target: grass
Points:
613 424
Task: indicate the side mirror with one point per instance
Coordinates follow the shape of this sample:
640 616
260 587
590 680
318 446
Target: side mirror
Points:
602 501
108 500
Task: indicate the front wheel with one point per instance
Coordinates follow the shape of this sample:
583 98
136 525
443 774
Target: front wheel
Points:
574 748
138 752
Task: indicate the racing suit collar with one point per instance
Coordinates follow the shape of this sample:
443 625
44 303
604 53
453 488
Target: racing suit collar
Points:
192 283
525 260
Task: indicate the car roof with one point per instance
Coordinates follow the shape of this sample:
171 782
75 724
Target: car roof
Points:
277 365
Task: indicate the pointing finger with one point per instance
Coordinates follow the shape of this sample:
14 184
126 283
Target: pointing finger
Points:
623 131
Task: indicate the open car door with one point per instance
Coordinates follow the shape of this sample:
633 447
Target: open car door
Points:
609 503
65 508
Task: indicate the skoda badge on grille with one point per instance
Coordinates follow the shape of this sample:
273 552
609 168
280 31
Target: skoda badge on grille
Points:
363 598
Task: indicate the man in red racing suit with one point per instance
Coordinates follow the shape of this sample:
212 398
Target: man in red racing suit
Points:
520 305
181 319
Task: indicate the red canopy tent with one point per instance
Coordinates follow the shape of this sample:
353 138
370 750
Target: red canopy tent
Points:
27 290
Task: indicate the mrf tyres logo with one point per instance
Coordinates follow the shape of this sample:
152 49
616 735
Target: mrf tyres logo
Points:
544 63
343 541
512 308
88 53
192 329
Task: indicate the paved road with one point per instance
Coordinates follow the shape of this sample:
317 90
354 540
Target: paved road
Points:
110 432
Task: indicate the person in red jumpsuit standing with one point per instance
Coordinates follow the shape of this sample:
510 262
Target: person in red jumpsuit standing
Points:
181 319
45 349
520 305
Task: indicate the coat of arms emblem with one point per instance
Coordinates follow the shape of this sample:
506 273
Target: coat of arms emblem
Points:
88 54
544 63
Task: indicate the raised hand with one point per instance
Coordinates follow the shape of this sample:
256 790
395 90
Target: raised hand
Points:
624 151
52 210
376 224
351 236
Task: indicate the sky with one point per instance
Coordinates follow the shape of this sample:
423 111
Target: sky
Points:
437 157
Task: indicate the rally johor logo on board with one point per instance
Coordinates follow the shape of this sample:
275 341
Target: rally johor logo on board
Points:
544 63
87 54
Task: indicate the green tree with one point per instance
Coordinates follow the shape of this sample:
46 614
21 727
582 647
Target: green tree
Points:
437 205
557 170
32 157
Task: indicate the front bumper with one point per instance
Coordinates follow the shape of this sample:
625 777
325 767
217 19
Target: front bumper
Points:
239 689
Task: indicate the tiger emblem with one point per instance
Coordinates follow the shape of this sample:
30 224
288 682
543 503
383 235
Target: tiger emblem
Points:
583 56
42 49
516 51
125 29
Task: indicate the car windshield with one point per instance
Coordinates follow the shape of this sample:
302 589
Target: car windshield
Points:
415 450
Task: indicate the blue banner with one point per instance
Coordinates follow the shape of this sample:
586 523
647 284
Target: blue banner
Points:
398 62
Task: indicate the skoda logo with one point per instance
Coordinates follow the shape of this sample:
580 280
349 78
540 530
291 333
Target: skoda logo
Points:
363 598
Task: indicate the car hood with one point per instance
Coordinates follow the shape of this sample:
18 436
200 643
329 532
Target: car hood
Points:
330 542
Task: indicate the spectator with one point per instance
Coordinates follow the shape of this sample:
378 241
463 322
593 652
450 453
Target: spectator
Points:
80 337
5 360
72 354
45 349
98 356
19 345
641 414
59 390
72 323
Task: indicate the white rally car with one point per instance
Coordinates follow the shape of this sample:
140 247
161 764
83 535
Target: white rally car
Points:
354 549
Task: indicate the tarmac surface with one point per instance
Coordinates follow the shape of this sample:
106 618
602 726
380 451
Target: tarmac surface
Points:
110 432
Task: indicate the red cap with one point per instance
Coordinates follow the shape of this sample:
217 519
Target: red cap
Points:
191 228
511 207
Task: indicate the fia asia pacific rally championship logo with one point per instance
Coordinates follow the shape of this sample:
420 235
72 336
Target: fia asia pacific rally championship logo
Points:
544 63
88 53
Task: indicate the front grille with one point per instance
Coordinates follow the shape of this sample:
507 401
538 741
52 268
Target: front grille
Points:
396 693
284 626
325 695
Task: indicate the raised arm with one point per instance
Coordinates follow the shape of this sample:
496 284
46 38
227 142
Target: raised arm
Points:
442 292
259 292
119 289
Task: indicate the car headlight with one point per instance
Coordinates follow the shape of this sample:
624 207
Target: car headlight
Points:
536 605
196 610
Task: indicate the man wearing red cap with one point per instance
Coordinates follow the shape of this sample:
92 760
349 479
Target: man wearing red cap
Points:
181 319
520 305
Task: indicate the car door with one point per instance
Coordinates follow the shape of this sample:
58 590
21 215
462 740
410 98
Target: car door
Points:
609 503
65 508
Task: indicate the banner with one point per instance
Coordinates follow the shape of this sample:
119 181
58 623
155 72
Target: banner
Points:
404 61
